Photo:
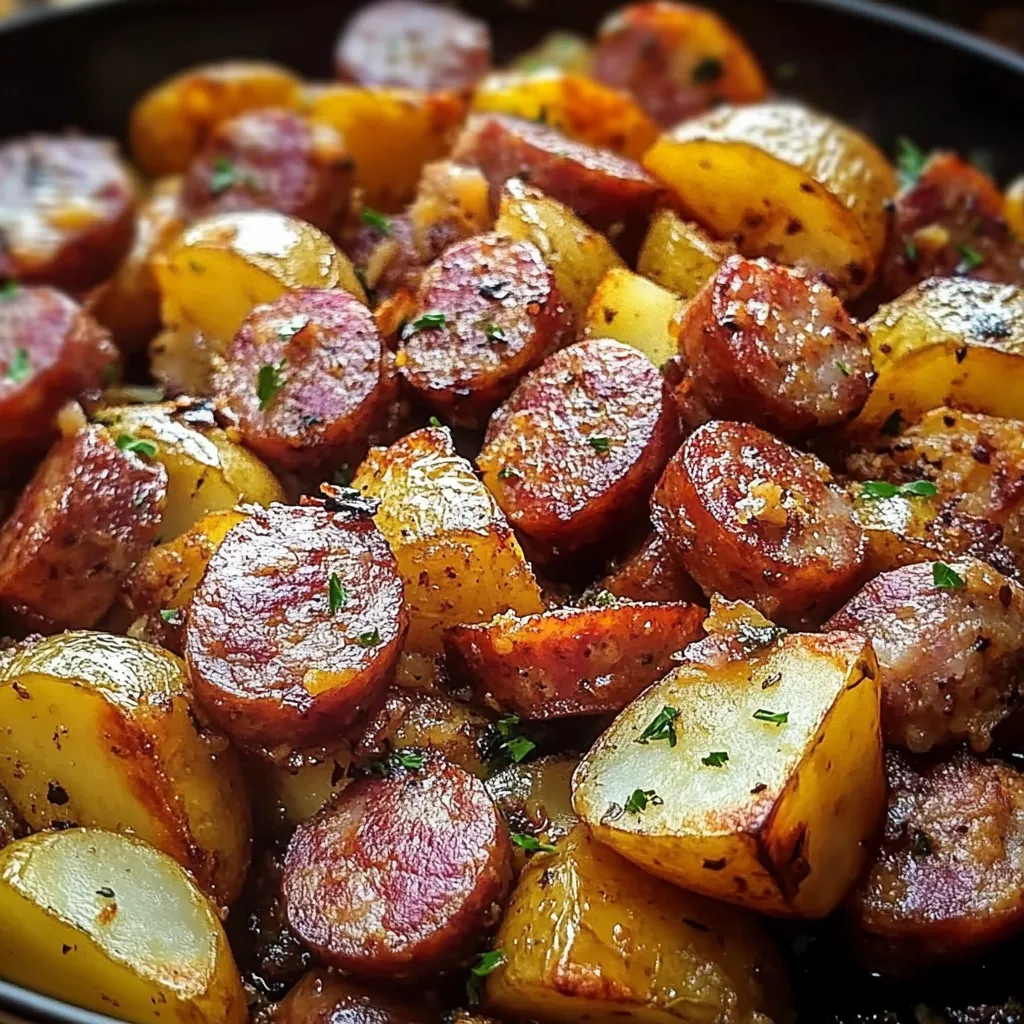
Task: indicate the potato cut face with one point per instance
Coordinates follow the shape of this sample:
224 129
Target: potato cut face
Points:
77 914
588 937
457 555
679 255
635 311
948 341
751 776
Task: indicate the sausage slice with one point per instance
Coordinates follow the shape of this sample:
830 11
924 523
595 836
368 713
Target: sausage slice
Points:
757 521
652 573
489 311
400 875
296 626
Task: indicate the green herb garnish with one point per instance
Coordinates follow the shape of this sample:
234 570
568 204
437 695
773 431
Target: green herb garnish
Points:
136 445
639 800
288 330
946 577
716 759
970 260
507 472
19 369
371 638
486 964
531 844
495 334
873 489
600 444
337 595
910 161
842 368
224 175
661 728
269 382
775 717
172 616
427 322
373 219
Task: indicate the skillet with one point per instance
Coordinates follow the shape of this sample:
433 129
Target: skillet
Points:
888 72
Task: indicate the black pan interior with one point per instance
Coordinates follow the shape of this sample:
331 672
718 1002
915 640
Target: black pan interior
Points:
889 73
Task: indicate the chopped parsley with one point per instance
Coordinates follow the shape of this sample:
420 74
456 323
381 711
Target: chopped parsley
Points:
640 799
921 845
910 161
288 330
716 759
970 259
136 445
435 422
371 638
269 382
495 333
531 843
775 717
661 728
910 252
874 489
486 964
373 219
19 369
706 71
508 472
223 176
337 595
600 444
893 424
172 616
8 290
514 744
946 577
409 760
842 368
427 322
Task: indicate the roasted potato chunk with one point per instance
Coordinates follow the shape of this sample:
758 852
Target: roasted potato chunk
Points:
452 203
77 922
782 181
12 826
103 731
587 936
753 773
456 552
181 361
678 255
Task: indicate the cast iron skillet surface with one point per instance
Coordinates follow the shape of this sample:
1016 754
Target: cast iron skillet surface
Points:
886 72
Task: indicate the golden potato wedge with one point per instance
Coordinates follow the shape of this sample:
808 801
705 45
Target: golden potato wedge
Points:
206 471
103 731
588 937
679 255
783 181
452 202
635 311
578 106
181 361
563 51
579 255
11 824
753 776
389 134
222 267
948 341
106 922
456 553
172 121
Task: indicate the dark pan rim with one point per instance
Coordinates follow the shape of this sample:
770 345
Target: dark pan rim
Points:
38 1007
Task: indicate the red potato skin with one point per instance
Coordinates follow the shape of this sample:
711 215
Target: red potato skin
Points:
413 45
573 661
270 160
87 516
334 391
755 520
67 353
503 316
399 875
67 211
267 657
951 660
967 892
610 192
801 367
545 457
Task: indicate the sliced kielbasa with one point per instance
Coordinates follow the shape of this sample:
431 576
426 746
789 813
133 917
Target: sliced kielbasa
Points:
88 515
755 520
573 453
651 573
488 311
305 379
948 880
67 210
402 874
768 345
608 191
323 997
950 645
296 625
271 160
50 352
413 44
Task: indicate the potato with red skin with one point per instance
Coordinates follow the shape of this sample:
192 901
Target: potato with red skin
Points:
296 626
67 210
948 880
323 997
769 345
501 314
757 521
576 449
951 659
270 160
400 875
610 192
51 351
87 516
678 60
652 573
325 390
571 661
413 44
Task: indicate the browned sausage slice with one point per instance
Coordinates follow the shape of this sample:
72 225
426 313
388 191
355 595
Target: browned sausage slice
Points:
652 573
50 352
606 190
296 626
400 875
951 652
489 311
413 44
575 450
572 661
66 210
948 880
304 377
271 160
324 997
767 345
758 521
86 517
